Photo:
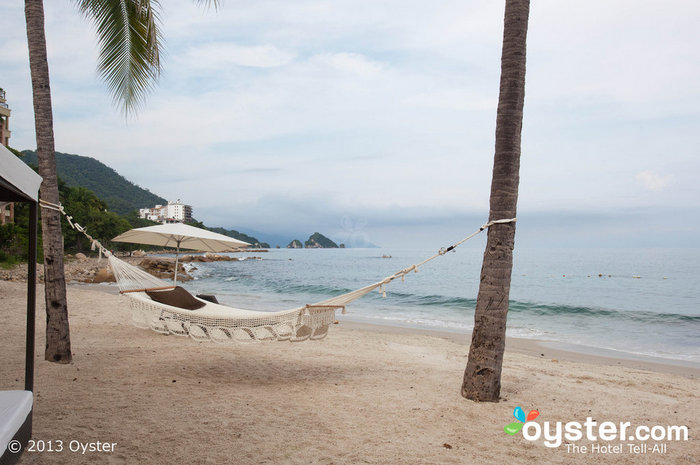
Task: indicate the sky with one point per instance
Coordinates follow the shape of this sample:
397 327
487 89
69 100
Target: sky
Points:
374 121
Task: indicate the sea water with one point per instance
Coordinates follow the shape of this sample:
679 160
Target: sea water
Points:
636 301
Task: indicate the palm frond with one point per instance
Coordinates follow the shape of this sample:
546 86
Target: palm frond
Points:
209 3
129 39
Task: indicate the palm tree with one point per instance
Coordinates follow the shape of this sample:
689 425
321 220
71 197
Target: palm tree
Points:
129 40
482 377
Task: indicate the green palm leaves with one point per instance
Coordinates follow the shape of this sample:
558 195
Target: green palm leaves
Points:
128 33
130 42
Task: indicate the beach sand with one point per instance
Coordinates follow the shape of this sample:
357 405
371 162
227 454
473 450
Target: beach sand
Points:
363 395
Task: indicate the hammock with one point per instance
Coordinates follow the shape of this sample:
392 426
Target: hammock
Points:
221 323
224 324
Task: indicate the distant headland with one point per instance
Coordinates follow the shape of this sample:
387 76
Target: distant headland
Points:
315 241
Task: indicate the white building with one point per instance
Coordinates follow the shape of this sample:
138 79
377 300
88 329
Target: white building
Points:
150 213
7 210
173 212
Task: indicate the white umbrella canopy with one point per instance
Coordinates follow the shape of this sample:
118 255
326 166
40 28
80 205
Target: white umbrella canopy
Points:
181 236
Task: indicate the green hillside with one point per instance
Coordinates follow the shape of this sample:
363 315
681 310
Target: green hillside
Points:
241 237
121 195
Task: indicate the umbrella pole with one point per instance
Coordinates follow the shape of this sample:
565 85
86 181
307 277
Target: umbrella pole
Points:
177 257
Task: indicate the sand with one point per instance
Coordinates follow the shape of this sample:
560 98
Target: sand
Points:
362 395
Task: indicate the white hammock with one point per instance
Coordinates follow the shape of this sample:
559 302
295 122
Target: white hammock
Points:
221 323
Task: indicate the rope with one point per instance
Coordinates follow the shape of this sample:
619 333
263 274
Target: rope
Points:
127 276
94 243
402 274
344 299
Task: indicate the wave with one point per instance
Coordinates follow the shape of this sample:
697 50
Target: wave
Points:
400 298
577 311
464 303
317 289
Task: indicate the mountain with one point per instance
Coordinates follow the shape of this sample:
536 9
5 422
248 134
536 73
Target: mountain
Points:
280 239
270 238
295 244
319 241
241 237
121 195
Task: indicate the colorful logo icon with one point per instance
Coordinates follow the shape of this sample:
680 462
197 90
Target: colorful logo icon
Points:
519 415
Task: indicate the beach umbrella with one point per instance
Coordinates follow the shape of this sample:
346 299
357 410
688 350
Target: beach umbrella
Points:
181 236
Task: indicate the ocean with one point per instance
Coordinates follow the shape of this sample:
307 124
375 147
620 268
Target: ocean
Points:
643 302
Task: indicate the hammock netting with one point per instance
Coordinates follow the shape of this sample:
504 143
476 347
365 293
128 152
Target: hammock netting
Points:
221 323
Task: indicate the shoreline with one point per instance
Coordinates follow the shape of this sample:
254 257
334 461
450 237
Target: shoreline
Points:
552 350
555 350
365 394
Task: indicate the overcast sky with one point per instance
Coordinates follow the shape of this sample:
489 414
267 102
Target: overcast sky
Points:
374 120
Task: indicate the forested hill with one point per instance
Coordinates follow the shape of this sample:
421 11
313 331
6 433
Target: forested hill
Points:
121 195
241 237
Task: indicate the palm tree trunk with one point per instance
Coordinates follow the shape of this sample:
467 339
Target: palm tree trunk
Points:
57 329
482 377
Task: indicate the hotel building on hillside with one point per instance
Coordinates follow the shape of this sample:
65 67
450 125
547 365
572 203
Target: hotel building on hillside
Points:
173 212
4 120
7 210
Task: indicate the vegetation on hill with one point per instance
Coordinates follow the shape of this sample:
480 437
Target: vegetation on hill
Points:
86 209
98 198
119 194
295 244
319 241
14 241
241 237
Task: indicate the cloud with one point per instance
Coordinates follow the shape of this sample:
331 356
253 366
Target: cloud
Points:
456 99
646 51
354 63
385 107
223 55
14 52
653 181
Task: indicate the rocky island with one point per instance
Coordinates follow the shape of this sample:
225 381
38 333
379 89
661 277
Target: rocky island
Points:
319 241
315 241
